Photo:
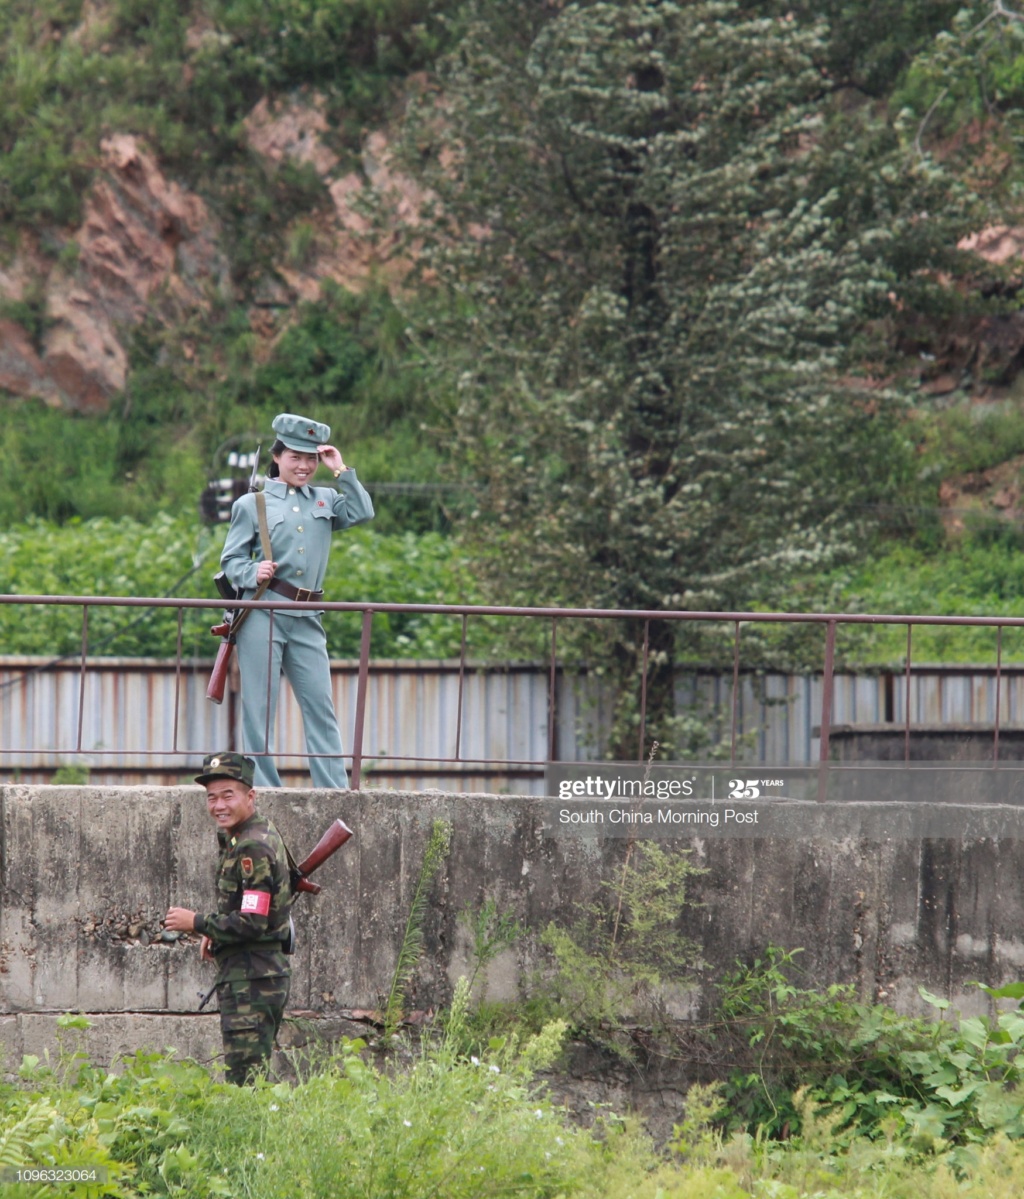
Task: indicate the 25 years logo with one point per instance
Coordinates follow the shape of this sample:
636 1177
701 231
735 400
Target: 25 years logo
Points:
740 789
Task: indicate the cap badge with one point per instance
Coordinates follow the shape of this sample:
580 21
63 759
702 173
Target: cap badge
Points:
214 763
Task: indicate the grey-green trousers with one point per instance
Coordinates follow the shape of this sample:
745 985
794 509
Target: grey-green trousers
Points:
300 650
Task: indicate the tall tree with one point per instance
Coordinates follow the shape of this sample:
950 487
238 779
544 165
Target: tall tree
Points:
655 256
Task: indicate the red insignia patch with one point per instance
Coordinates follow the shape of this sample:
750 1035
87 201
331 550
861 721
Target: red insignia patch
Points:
256 901
321 504
247 865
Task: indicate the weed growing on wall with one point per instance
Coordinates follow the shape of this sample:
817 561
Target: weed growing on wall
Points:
434 855
608 968
492 931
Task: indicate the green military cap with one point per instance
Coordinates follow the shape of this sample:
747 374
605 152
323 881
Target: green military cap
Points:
227 765
301 434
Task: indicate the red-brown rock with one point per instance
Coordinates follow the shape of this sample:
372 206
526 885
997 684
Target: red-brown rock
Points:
145 245
21 369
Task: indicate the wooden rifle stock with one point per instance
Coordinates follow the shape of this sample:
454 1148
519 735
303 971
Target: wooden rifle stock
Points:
329 843
227 629
219 674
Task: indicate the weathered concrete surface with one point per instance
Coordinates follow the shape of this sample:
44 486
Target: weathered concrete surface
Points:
110 1037
928 743
87 874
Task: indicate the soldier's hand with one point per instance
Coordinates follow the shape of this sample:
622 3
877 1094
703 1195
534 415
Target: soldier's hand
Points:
331 458
180 920
265 570
204 949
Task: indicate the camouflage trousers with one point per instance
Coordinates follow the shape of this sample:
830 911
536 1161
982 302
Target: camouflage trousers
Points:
250 1015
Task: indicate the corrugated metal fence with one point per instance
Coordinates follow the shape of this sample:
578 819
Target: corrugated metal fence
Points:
448 725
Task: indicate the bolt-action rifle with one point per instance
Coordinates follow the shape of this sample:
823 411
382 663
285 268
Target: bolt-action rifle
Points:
335 837
233 620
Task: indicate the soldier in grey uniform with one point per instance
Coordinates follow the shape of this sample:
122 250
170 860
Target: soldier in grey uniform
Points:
248 935
301 519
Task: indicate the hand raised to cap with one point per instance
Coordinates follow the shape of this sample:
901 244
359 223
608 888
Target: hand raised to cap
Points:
331 458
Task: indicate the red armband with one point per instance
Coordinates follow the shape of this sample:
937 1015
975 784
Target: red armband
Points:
256 901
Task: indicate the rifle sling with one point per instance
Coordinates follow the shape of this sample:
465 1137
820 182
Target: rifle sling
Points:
261 516
265 549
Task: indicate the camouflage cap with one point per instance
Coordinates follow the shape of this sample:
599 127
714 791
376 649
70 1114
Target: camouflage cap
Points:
227 765
301 434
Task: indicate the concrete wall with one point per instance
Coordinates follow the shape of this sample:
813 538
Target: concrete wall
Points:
927 743
88 872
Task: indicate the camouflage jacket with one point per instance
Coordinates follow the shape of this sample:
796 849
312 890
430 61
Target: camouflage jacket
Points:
254 898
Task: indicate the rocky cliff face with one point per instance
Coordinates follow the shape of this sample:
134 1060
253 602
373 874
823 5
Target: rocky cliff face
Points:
148 247
145 245
345 248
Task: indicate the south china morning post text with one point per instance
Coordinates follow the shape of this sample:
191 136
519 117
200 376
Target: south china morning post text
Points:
657 819
874 800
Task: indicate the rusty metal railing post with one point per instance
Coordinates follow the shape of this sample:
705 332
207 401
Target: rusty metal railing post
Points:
81 676
361 689
826 708
640 754
552 693
735 690
462 680
999 671
177 682
906 699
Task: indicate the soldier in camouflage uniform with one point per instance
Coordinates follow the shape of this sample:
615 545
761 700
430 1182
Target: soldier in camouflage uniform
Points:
248 936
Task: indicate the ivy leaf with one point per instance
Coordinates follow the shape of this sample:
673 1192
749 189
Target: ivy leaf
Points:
936 1001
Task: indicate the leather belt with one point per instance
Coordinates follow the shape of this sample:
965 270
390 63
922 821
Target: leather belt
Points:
301 594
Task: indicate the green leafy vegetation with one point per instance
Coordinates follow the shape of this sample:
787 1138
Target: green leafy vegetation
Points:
924 1109
650 350
939 1087
976 577
176 556
674 298
869 45
182 77
347 358
493 931
164 1127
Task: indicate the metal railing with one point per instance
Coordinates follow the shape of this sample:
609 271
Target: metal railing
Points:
555 616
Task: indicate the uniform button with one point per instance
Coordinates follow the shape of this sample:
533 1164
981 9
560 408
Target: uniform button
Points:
300 572
301 550
295 509
300 529
291 490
